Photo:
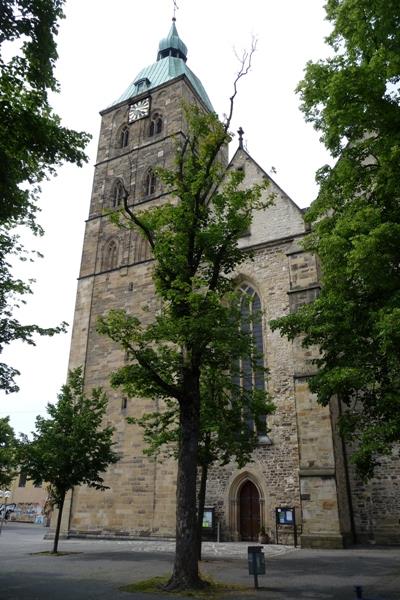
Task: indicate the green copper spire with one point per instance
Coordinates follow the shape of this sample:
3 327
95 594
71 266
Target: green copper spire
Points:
172 45
170 65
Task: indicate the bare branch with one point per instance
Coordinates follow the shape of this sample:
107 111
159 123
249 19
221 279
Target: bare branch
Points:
245 66
135 219
167 387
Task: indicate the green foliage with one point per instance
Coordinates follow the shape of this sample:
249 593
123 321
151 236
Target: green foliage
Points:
32 140
181 355
32 144
72 447
8 453
194 243
353 99
224 408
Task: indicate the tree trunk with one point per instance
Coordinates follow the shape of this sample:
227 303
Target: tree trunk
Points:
186 574
201 503
58 526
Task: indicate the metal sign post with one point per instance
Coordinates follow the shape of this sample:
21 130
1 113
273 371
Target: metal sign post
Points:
256 562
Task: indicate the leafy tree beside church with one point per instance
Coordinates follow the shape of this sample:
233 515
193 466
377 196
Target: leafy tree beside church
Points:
8 453
72 446
232 417
194 241
353 100
32 144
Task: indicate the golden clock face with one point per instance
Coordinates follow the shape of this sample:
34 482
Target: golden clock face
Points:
139 110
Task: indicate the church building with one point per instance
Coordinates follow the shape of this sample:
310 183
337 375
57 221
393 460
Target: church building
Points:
301 472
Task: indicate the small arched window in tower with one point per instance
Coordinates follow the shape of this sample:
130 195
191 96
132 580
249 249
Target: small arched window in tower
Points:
156 124
117 194
111 255
123 139
150 183
246 373
142 250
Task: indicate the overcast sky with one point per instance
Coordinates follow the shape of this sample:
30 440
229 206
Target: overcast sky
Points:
102 45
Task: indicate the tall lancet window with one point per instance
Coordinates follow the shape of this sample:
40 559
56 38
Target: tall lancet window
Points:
111 255
117 194
150 182
156 124
123 137
249 374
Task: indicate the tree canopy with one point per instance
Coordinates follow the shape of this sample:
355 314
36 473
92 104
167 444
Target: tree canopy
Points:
33 143
72 447
353 100
232 417
8 453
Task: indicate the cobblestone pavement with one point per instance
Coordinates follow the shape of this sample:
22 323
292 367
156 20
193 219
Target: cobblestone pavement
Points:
209 549
97 569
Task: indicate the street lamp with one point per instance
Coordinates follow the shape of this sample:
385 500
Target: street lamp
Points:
4 494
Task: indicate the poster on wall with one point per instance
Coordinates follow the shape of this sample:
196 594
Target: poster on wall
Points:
208 518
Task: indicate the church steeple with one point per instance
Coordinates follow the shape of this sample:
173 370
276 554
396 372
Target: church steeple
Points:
171 64
172 45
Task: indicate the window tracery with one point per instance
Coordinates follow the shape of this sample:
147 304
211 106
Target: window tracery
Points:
111 255
248 373
156 124
150 182
123 137
142 249
117 193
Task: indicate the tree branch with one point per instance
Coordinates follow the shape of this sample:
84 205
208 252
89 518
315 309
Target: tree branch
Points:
137 221
167 387
245 66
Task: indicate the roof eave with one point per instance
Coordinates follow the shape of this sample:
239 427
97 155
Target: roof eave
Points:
156 89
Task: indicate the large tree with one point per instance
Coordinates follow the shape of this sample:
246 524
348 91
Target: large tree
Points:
232 417
8 453
194 240
353 100
32 144
72 447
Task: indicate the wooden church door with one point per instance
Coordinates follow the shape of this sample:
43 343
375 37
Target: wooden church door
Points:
249 512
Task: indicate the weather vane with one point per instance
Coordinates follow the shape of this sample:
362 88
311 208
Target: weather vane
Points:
176 7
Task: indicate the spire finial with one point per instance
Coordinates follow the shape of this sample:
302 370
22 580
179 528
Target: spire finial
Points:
172 45
240 132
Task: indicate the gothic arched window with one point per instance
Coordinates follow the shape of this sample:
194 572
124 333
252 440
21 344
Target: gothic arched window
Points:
142 249
117 193
156 124
111 255
123 137
150 182
249 374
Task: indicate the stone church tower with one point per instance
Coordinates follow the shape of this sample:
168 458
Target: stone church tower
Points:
302 464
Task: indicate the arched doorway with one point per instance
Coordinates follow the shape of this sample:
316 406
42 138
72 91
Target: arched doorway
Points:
249 512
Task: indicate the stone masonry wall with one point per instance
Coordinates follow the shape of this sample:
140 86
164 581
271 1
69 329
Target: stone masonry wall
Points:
141 495
376 504
303 463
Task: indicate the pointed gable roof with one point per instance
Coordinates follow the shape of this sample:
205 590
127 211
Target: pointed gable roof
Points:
280 220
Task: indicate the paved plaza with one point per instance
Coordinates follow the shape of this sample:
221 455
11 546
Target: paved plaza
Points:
96 569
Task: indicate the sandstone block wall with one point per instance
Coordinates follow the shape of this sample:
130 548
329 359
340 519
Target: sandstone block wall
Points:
304 462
